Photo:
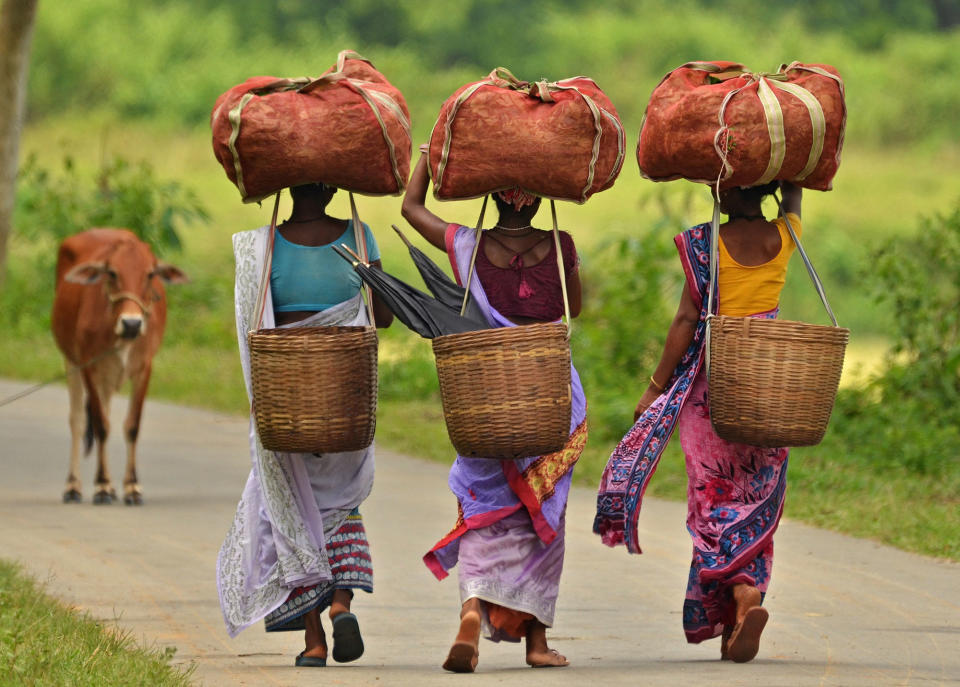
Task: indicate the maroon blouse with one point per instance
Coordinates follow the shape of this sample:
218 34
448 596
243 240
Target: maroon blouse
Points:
527 291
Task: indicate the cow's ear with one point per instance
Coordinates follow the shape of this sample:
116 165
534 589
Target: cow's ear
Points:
85 273
170 274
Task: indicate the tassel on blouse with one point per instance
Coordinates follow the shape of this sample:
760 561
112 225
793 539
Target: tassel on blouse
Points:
523 291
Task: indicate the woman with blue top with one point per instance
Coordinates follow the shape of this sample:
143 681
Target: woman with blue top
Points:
297 545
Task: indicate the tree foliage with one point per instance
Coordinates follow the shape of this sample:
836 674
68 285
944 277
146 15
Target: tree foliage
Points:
54 205
169 59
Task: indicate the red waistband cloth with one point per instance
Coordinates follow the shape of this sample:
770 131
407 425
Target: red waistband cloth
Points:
349 128
560 139
717 121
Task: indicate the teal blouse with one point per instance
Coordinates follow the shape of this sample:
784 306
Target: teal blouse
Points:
314 278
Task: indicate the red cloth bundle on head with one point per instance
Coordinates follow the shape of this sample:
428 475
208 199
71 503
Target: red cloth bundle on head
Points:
349 128
710 121
561 140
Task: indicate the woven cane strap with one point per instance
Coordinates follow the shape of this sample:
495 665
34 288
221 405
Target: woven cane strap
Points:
556 239
714 261
361 240
360 237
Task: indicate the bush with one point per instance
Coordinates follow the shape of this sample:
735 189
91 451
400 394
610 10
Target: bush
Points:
51 206
909 415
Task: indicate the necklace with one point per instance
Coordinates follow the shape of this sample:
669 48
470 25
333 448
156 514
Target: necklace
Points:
301 221
515 231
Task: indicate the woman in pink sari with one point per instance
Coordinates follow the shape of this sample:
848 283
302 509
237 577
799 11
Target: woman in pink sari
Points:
735 492
508 542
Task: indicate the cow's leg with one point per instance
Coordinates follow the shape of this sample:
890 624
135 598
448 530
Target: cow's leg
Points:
132 494
99 390
77 426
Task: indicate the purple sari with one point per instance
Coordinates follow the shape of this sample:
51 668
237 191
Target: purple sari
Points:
735 492
533 489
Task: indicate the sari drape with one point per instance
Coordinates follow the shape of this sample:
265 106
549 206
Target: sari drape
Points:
531 490
276 543
735 492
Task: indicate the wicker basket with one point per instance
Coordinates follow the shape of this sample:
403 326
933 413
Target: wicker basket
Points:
506 391
773 382
314 388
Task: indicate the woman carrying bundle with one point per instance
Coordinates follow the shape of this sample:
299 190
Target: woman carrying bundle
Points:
297 544
509 536
735 492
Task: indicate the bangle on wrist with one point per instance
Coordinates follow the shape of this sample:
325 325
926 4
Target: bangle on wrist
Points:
653 383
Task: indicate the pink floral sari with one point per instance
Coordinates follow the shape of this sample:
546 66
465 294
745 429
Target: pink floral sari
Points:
735 492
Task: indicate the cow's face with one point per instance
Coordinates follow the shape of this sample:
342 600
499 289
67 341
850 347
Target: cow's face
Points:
128 276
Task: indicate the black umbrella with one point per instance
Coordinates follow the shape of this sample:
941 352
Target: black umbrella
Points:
419 311
441 286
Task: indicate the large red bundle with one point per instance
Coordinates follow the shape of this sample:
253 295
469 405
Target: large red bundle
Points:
715 121
349 128
559 140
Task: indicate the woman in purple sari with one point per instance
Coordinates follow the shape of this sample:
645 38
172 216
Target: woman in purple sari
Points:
509 537
735 492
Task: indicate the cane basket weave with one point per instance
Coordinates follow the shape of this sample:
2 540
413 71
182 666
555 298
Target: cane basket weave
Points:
506 391
772 383
314 388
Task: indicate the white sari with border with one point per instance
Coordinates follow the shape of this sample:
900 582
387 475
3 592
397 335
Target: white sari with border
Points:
292 501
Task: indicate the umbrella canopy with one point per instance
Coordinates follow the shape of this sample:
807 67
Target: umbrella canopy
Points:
440 285
419 311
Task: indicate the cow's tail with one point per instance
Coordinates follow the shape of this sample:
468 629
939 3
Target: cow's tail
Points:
94 424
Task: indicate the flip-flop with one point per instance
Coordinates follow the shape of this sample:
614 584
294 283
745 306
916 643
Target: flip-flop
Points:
462 658
310 661
745 639
725 643
347 642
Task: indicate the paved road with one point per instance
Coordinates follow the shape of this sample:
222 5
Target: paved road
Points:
843 611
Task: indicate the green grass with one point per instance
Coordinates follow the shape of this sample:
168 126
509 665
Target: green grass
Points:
45 643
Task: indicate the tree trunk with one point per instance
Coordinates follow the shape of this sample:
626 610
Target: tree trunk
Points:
16 29
948 13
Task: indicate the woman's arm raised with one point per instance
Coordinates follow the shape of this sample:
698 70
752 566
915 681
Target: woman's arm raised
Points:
792 196
414 209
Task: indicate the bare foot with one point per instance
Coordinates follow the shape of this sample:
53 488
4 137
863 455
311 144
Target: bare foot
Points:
314 637
744 640
340 603
465 652
551 658
539 655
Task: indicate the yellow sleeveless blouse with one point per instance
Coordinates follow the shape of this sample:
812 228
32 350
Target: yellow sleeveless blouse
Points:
747 290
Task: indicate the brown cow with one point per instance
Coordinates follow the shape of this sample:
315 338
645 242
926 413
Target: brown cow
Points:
109 312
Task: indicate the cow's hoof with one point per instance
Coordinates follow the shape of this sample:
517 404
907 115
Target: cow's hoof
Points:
104 498
72 496
133 499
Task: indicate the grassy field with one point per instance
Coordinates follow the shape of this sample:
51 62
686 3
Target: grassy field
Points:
199 364
43 642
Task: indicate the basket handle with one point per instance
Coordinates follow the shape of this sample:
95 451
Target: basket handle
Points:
267 265
563 272
714 259
814 277
559 251
473 257
360 238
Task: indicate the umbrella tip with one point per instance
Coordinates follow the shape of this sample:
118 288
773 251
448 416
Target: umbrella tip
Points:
405 239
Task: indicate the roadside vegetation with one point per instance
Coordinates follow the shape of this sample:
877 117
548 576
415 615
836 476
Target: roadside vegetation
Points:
118 135
43 642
